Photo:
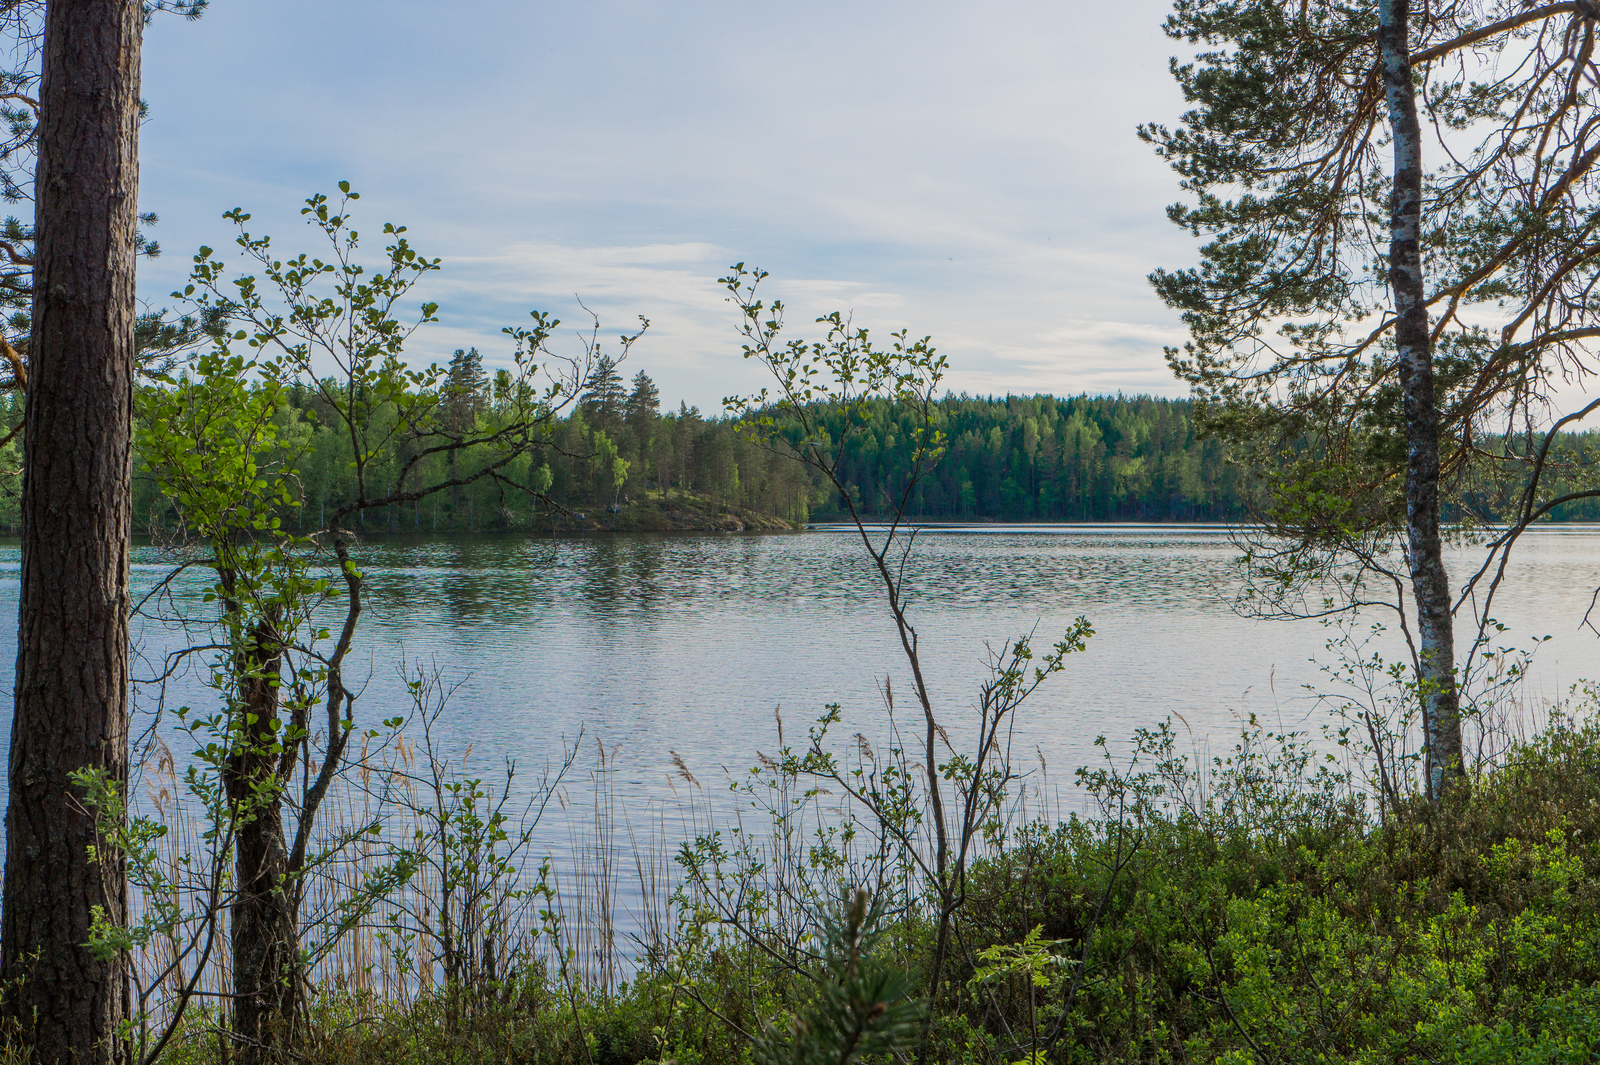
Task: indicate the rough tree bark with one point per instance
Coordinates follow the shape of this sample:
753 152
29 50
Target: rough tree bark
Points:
72 656
265 931
1430 584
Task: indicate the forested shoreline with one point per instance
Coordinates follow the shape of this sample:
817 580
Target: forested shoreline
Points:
1015 458
618 461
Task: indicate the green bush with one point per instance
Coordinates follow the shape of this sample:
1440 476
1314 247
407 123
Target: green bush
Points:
1463 932
1258 913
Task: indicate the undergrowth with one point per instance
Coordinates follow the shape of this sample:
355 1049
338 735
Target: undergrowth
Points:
1266 916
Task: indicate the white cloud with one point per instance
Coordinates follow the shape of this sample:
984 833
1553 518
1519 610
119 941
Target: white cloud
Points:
965 171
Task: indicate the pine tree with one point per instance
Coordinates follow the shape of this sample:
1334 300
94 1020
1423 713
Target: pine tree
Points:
71 717
465 389
604 396
643 407
1367 315
463 400
863 1006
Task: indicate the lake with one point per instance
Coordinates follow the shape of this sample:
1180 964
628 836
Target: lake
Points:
689 645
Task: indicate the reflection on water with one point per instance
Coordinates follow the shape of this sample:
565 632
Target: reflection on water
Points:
657 644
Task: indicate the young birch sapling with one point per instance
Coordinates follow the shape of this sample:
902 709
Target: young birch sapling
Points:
221 444
848 373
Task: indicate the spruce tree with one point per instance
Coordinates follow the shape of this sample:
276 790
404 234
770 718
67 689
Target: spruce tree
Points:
604 396
643 407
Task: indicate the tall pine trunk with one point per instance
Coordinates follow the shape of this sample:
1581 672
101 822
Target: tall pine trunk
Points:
72 646
77 514
1430 585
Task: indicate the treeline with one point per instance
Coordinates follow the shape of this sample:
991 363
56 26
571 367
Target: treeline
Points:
1571 467
1038 458
1043 458
1013 458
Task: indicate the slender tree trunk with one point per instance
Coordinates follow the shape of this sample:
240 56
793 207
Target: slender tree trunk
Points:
72 647
533 496
1430 584
455 491
264 928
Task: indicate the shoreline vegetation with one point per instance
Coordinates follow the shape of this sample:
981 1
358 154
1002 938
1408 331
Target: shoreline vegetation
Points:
909 895
1380 344
1271 905
615 463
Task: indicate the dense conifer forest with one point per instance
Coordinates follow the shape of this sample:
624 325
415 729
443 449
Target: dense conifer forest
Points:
1033 458
1016 458
1013 458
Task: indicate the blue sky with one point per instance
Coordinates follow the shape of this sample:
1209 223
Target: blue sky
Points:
968 171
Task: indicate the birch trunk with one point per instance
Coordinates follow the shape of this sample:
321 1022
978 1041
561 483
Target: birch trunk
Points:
72 647
1430 585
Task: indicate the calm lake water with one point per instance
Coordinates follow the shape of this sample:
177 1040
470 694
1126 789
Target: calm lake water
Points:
655 645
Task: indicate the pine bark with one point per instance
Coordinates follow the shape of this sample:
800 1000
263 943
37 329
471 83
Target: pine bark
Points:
72 654
1430 584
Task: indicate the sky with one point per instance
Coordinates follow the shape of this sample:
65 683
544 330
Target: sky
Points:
967 171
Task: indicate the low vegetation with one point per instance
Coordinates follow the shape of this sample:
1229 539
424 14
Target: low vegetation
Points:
1257 909
906 896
